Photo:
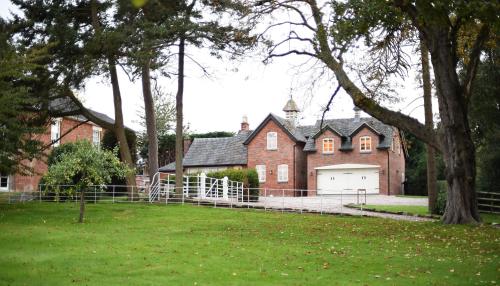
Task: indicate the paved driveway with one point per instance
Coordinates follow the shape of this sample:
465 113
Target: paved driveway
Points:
335 204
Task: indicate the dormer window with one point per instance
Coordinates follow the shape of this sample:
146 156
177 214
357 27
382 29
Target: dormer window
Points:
365 144
328 146
272 141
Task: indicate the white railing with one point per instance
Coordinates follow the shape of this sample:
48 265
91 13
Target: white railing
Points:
199 186
154 187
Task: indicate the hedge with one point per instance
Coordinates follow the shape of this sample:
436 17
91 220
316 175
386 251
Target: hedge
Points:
249 178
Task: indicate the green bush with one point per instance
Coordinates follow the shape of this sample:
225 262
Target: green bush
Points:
441 197
249 178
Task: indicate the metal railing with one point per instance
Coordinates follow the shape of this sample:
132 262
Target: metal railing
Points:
284 200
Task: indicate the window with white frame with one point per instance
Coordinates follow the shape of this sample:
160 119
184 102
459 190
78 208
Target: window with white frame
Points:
261 171
328 146
4 182
96 136
55 132
272 140
282 173
365 144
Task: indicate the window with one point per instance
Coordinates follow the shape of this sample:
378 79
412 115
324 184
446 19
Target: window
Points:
55 132
328 146
96 136
4 182
365 144
272 140
261 171
282 173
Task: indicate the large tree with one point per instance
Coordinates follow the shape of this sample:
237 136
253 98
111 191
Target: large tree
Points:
151 28
83 40
26 94
204 24
328 32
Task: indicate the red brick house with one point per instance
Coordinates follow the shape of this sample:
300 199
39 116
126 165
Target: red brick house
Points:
62 130
337 155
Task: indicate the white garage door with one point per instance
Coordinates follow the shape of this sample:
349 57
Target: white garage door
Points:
347 178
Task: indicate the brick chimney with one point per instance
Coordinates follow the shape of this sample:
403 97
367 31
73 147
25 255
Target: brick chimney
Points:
187 144
357 113
244 124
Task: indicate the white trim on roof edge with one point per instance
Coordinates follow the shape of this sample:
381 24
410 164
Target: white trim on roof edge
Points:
347 166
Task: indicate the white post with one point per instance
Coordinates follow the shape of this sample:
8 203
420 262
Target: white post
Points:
301 201
283 200
114 193
216 188
265 199
225 188
203 178
341 203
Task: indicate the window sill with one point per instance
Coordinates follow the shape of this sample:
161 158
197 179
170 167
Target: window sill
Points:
282 182
365 152
272 149
328 153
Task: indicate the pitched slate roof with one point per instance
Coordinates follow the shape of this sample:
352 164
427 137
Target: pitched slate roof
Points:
222 151
348 127
228 151
66 105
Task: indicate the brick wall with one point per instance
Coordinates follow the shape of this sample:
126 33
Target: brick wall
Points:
259 155
30 183
397 165
375 157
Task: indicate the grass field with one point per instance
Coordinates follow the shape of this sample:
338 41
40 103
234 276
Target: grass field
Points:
124 244
423 210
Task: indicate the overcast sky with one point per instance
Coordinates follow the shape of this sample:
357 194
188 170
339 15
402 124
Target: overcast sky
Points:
236 88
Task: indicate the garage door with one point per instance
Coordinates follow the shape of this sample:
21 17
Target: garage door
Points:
347 178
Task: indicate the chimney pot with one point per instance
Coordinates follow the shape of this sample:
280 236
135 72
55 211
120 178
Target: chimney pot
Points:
244 124
357 113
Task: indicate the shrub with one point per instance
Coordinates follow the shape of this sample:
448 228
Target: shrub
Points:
442 186
249 178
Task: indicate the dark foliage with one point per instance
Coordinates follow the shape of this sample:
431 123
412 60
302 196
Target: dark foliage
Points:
416 167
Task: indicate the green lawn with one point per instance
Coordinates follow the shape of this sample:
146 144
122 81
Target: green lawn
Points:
125 244
423 210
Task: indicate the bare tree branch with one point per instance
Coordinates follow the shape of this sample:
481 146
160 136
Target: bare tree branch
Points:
327 108
474 58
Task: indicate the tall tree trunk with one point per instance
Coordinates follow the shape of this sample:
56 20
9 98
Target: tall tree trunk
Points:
429 124
82 205
458 147
179 137
120 128
149 108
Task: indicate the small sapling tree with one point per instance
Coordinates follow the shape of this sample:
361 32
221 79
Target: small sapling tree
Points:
85 166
